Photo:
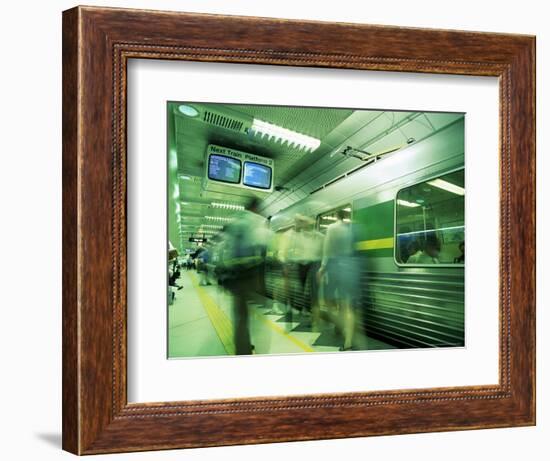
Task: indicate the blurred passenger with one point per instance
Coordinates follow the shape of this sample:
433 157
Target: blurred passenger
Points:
340 268
203 259
276 245
413 248
174 274
194 257
301 255
268 249
188 262
404 241
430 253
243 259
283 243
460 259
172 252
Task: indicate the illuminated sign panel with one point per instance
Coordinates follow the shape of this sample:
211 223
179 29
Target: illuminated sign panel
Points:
198 239
224 169
231 167
257 175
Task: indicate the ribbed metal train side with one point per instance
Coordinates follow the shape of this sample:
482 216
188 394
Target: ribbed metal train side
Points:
414 309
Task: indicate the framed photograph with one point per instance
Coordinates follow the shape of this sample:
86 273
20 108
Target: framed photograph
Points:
282 230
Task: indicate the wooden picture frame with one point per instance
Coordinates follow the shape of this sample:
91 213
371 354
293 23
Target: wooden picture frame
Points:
97 44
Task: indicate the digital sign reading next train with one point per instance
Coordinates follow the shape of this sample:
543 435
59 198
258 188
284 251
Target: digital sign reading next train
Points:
238 169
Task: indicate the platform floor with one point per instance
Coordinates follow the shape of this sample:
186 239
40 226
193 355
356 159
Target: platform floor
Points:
200 324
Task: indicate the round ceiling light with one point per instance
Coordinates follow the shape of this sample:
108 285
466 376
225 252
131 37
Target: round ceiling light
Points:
190 111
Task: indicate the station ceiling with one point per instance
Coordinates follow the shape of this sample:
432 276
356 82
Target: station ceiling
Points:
298 172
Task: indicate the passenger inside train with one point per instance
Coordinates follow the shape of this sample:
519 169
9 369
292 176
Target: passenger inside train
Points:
303 230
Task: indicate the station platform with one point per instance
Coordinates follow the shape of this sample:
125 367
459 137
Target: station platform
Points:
200 325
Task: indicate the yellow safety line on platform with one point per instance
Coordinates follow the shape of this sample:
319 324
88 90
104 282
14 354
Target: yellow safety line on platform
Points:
377 244
223 326
220 321
281 331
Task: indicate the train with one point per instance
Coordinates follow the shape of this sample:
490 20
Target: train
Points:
398 206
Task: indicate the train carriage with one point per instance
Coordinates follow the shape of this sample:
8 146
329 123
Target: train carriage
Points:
398 204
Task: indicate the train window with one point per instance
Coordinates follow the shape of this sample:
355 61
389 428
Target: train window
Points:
326 219
429 221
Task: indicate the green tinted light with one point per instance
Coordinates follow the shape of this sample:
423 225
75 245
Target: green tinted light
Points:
190 111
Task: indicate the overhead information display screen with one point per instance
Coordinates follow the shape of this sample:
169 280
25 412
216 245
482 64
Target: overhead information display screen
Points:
224 169
253 174
257 175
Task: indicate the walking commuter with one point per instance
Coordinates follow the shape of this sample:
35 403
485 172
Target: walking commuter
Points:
244 255
203 260
339 268
301 255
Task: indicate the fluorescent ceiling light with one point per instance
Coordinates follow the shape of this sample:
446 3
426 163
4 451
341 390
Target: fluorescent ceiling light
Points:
219 218
176 193
347 209
329 218
409 204
184 176
449 187
173 160
284 135
227 206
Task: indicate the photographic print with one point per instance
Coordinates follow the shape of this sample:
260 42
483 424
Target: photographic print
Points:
313 229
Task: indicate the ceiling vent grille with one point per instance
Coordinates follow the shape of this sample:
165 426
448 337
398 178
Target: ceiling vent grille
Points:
223 121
